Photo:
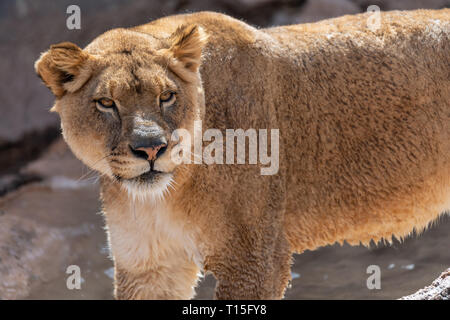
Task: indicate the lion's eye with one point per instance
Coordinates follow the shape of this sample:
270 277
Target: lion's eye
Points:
167 98
105 104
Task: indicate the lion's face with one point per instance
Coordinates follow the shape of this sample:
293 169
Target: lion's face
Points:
122 97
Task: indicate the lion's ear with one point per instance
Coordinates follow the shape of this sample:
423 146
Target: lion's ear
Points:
63 68
187 43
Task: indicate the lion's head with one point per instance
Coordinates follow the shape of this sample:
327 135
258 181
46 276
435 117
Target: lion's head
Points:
121 98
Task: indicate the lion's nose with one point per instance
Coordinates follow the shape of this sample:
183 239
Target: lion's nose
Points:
149 152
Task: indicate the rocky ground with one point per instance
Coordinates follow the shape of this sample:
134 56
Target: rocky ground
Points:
438 290
48 201
48 225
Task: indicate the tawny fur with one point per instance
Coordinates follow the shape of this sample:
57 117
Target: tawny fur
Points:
364 119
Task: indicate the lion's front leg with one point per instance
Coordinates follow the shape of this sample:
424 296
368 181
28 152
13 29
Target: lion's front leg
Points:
162 283
255 265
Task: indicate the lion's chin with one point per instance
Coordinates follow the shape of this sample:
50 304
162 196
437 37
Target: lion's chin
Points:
149 177
149 186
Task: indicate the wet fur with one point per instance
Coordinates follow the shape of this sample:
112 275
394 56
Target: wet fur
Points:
364 121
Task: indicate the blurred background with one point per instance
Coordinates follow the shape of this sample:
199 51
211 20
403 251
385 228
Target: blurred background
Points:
48 200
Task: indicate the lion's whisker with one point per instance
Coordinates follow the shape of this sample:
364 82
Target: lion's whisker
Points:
93 169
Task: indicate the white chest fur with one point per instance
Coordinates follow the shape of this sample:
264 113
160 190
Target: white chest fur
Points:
149 236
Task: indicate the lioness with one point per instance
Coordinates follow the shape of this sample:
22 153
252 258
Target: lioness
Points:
364 141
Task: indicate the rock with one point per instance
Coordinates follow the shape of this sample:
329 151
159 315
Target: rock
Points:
29 29
201 5
324 9
243 5
49 225
438 290
315 10
10 182
403 4
57 161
